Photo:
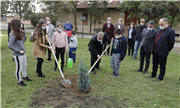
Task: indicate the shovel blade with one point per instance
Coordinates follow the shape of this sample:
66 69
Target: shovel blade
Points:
65 82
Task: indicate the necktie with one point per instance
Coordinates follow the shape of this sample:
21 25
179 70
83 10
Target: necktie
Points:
148 33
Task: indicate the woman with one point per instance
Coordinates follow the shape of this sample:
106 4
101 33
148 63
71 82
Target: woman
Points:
60 45
16 44
40 46
131 37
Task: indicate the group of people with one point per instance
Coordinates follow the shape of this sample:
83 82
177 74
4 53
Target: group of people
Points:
145 37
150 41
45 35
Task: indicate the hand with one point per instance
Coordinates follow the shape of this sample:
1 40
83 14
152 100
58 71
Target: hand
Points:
23 31
21 51
65 51
112 38
99 57
50 48
109 44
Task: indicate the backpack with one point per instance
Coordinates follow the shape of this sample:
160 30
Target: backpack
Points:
32 37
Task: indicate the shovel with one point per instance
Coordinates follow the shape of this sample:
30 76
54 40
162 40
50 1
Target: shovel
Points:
98 58
64 82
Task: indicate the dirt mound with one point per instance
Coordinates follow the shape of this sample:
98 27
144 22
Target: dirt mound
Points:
73 89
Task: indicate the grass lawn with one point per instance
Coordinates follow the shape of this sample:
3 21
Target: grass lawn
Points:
131 89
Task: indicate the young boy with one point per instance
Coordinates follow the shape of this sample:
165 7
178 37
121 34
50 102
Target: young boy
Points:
73 46
118 51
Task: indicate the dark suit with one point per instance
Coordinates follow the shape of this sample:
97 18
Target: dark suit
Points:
146 47
131 41
9 30
164 45
96 48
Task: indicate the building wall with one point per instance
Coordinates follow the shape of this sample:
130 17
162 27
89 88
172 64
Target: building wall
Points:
9 18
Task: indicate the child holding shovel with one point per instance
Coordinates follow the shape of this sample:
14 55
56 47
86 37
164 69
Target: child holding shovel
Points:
118 51
73 46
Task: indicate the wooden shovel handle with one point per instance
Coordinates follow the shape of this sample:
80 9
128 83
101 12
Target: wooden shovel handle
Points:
98 58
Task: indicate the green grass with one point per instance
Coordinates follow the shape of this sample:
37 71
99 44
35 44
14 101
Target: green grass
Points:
134 87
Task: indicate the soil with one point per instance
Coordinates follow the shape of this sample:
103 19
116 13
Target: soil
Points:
58 96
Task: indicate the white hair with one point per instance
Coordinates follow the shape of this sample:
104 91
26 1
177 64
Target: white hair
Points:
109 18
120 19
165 20
101 34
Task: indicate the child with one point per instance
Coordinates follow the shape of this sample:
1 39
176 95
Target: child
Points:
16 44
118 51
73 46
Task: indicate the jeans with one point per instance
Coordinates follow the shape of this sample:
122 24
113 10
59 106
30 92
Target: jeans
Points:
136 48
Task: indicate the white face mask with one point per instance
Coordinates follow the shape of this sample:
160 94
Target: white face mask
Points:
48 22
120 22
141 23
131 26
99 40
43 27
21 26
116 37
59 30
150 28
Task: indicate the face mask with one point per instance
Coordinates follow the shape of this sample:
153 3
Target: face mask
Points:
120 22
109 22
150 28
21 26
99 40
43 27
59 30
48 22
117 37
131 26
142 23
67 22
161 27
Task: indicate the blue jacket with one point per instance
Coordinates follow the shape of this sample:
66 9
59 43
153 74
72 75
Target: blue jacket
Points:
166 41
122 47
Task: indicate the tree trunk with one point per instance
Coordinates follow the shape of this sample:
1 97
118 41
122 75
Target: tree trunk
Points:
75 23
139 21
171 24
90 22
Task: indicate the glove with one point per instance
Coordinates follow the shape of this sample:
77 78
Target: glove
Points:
121 58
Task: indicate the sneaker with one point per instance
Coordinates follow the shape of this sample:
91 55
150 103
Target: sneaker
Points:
49 60
55 69
113 73
41 76
21 84
26 79
116 76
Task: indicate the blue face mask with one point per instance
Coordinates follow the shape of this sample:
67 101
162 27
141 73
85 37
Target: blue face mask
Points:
161 27
109 22
67 22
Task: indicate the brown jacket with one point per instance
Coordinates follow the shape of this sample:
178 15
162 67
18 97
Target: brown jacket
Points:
39 47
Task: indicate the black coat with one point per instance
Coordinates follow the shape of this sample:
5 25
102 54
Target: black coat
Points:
147 41
133 33
138 28
95 47
166 41
9 30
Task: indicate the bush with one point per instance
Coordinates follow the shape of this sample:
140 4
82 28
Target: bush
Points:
83 78
98 29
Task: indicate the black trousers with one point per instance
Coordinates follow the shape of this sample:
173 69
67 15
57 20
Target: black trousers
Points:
105 43
130 46
93 60
159 60
144 54
39 66
60 51
49 52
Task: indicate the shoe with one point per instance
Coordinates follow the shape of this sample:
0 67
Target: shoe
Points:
139 70
21 84
13 60
145 72
62 71
93 72
131 55
41 76
128 54
49 60
55 69
134 58
73 61
151 77
26 79
107 54
116 76
99 69
158 80
113 73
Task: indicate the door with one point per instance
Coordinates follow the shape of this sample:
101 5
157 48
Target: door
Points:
128 21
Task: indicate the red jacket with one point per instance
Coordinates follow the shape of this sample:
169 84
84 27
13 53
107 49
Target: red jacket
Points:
109 31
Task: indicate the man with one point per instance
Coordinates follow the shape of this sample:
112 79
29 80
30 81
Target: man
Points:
68 27
96 46
164 42
49 30
119 25
139 30
109 29
146 46
22 26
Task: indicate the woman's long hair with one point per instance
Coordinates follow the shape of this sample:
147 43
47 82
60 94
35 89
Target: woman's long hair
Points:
16 28
39 29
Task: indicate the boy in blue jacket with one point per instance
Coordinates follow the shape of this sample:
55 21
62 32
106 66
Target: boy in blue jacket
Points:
118 51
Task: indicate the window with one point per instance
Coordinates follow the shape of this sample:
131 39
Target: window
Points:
86 20
110 1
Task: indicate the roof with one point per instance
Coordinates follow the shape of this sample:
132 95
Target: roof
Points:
111 4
